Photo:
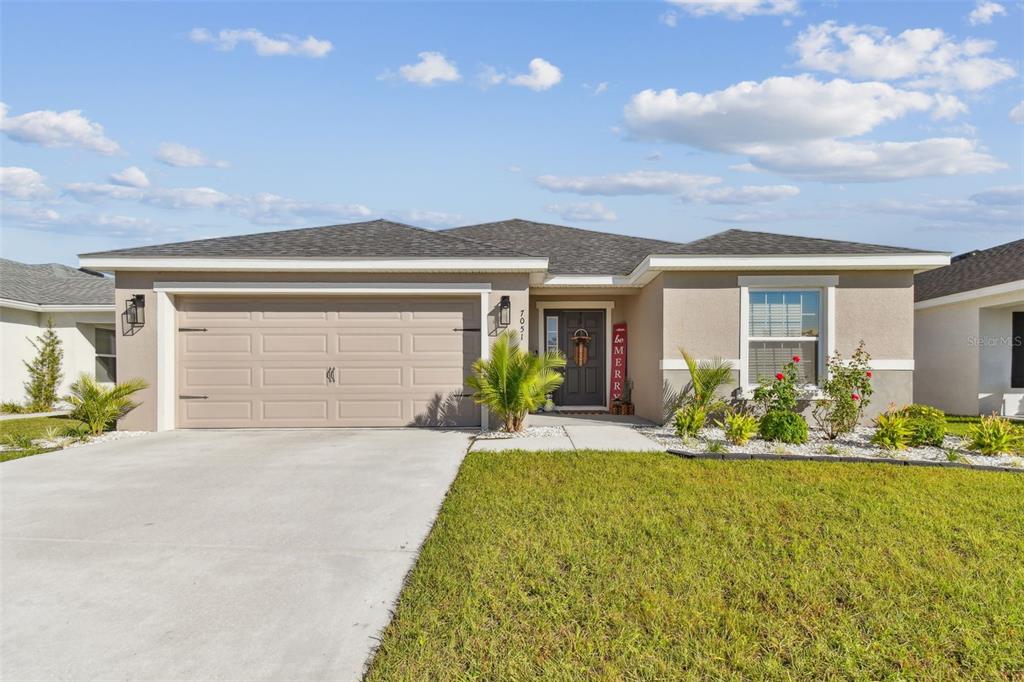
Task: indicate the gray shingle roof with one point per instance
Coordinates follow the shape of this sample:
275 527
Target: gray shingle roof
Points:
576 252
53 284
371 239
974 270
570 250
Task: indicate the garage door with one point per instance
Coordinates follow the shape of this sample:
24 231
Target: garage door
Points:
309 362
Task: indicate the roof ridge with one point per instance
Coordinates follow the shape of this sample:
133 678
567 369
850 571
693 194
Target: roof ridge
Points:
818 239
566 227
469 240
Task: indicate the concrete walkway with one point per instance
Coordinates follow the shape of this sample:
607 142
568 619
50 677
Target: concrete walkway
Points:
31 415
214 555
575 432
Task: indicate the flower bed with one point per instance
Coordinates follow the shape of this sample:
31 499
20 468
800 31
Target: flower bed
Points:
856 443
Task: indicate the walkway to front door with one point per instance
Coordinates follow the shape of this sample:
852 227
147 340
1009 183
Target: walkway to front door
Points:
581 338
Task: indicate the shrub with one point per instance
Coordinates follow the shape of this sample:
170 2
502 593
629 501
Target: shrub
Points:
892 431
739 427
927 425
785 427
12 408
700 397
779 394
44 372
847 390
689 420
18 441
993 436
98 406
716 447
513 382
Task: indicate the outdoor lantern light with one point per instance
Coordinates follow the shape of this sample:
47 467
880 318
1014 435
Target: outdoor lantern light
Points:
135 310
505 312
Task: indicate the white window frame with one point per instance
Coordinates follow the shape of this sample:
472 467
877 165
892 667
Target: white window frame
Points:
547 319
825 284
98 354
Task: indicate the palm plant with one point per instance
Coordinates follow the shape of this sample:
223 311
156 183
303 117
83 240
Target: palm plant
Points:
99 407
513 382
700 397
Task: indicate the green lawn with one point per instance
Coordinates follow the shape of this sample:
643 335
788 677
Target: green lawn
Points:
33 427
578 566
958 425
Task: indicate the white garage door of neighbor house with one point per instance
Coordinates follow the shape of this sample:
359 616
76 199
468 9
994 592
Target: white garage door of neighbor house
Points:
340 361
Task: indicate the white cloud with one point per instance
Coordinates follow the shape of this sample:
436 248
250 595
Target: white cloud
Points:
161 197
28 215
132 176
670 18
490 76
432 68
17 182
57 129
513 168
737 9
697 188
1006 195
795 125
228 39
598 89
780 110
983 12
180 156
923 57
957 213
422 217
1017 112
272 209
543 75
840 161
590 211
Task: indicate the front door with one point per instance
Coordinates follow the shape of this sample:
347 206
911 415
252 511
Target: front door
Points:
584 367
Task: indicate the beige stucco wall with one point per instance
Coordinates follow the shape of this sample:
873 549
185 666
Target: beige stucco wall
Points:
878 308
19 327
955 363
645 321
137 354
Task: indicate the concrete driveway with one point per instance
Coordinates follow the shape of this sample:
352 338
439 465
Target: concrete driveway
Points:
245 555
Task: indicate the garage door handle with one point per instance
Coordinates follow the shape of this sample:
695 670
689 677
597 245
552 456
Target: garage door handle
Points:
192 329
466 329
193 397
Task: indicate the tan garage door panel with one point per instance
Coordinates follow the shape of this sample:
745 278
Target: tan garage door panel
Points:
310 362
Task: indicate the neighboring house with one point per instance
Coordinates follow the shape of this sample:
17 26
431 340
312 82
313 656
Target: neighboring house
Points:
377 323
969 333
81 306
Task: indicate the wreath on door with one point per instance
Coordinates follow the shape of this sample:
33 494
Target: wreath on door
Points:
581 344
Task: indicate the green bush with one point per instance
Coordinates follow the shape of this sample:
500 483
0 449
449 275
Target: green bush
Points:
689 420
12 408
785 427
739 427
847 390
993 436
514 382
927 425
98 406
892 431
700 396
44 372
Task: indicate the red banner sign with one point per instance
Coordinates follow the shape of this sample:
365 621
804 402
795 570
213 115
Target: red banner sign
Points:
618 360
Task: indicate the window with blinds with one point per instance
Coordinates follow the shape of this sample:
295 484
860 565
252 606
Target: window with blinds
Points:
784 324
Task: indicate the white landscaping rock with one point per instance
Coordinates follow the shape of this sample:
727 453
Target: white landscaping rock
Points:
528 432
854 444
65 443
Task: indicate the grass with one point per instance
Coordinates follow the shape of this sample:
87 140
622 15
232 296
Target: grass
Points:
957 425
31 429
642 566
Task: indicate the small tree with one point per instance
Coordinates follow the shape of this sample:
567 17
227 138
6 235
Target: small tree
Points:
44 372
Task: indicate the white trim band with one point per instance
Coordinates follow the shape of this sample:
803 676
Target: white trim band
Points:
788 281
46 308
323 288
113 263
679 363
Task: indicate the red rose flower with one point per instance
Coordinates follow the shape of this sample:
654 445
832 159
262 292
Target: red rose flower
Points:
796 358
869 375
779 376
855 396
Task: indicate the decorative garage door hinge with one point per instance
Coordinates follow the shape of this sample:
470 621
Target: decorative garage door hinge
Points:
192 329
330 375
193 397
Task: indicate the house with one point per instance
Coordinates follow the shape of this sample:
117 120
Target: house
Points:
969 333
81 305
378 323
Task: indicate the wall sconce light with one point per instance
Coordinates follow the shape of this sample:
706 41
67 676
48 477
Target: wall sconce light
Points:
505 312
135 310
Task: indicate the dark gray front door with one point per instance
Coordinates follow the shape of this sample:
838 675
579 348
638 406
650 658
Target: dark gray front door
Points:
584 383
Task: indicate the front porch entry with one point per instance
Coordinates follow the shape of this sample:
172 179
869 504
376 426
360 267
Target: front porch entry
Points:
581 336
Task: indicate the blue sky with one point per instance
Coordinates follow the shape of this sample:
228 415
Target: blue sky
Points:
136 123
